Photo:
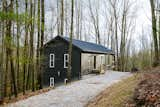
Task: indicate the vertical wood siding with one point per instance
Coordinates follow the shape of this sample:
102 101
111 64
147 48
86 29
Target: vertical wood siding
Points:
59 48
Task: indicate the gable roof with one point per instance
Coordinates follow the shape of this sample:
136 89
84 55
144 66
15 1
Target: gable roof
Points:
87 47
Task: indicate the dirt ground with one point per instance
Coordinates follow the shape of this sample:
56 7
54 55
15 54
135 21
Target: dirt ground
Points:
142 88
115 95
147 92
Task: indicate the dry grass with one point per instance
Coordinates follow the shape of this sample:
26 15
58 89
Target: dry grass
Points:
116 95
22 97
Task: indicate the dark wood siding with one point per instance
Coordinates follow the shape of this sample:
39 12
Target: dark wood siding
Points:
76 63
59 47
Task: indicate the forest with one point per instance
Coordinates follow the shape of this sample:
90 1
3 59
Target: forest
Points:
26 25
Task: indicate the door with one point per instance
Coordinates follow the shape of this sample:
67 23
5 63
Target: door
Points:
94 62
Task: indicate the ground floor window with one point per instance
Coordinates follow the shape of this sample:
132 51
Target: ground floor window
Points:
51 81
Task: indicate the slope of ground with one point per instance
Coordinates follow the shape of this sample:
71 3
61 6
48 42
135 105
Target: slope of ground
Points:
140 90
147 93
116 95
76 94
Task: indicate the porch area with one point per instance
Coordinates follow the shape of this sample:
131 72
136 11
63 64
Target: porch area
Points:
96 63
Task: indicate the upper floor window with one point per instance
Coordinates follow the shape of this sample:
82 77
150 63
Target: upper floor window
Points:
51 62
66 60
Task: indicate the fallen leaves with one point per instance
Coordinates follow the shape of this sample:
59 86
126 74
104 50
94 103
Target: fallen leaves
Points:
147 93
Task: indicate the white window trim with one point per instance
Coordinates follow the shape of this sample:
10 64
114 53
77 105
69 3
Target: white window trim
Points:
51 82
66 55
51 60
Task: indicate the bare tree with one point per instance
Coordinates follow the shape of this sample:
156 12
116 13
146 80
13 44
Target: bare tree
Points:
62 17
154 32
25 63
2 60
38 45
66 18
114 5
42 38
9 51
95 19
18 36
78 9
70 43
58 16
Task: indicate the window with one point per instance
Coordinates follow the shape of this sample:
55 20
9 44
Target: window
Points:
66 60
51 81
51 62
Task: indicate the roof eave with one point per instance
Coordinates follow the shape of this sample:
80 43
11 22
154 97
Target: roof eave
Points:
97 52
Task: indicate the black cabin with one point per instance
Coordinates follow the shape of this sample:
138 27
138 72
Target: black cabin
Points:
55 58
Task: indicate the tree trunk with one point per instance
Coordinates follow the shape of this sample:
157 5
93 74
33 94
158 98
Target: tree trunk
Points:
25 64
9 50
42 40
18 36
70 43
62 16
95 22
31 52
2 69
78 19
58 22
31 66
38 45
32 47
159 36
154 33
116 37
122 45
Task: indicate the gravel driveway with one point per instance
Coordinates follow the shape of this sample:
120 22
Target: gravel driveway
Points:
76 94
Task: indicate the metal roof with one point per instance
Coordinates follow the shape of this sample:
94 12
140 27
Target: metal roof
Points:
89 47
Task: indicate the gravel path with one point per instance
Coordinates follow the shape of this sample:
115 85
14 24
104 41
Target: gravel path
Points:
76 94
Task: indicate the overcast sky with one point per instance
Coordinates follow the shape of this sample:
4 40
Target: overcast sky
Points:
143 19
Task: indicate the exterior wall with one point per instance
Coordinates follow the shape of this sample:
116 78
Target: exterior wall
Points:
87 63
108 60
59 47
102 62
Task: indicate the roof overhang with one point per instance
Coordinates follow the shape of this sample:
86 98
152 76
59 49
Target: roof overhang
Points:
109 52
